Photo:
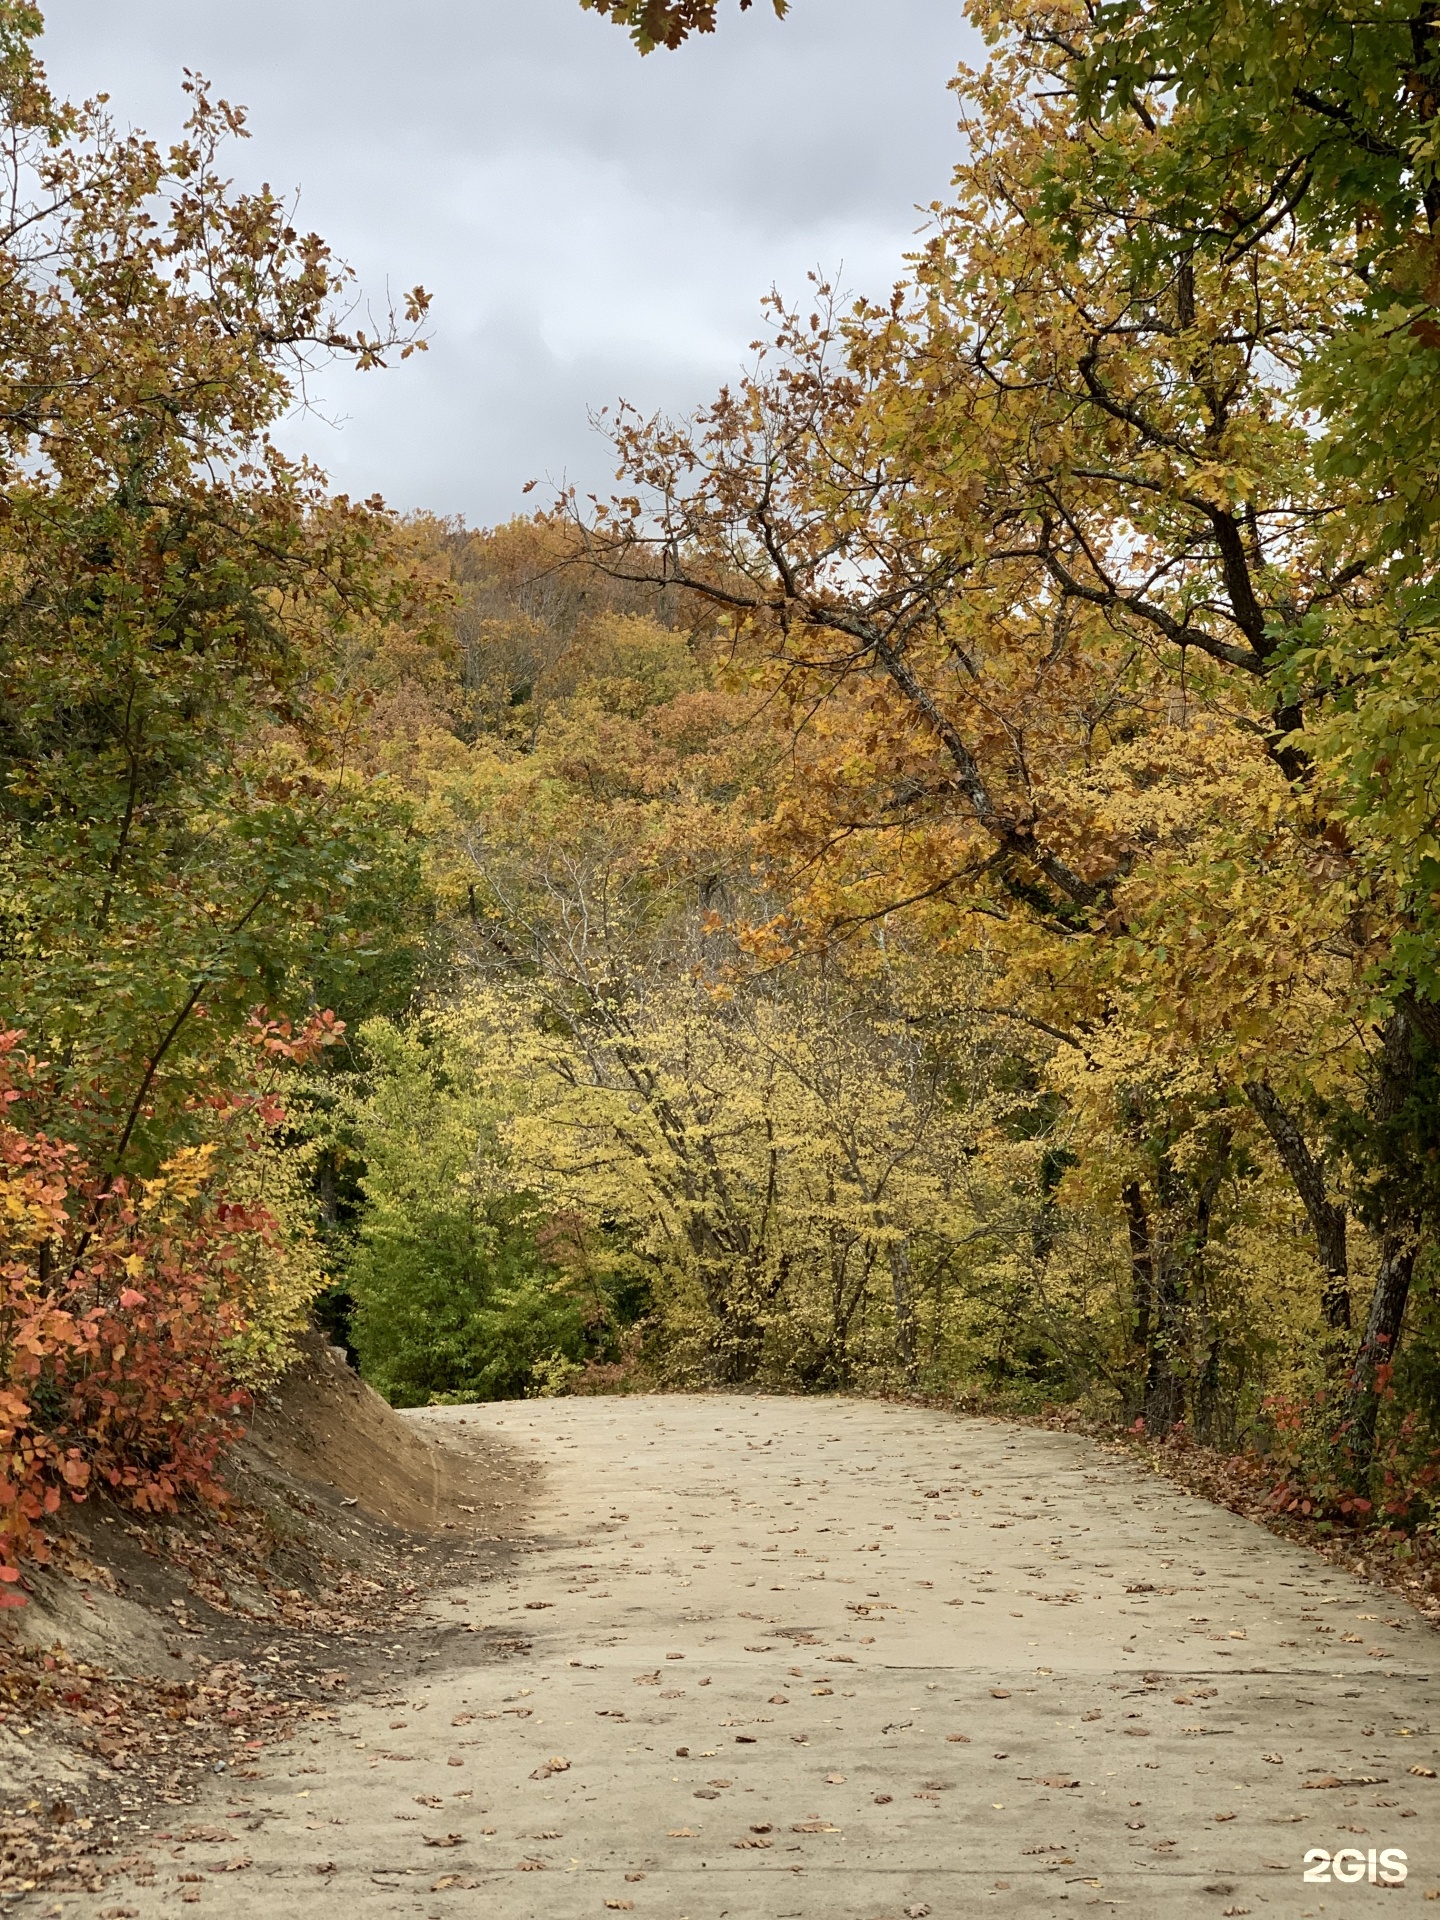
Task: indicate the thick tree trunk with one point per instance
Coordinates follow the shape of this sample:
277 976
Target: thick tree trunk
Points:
1394 1084
1327 1217
1377 1348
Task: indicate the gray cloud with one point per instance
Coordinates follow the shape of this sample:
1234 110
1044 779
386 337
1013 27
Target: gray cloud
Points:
591 225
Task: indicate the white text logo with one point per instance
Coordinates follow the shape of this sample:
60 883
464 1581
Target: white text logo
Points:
1385 1867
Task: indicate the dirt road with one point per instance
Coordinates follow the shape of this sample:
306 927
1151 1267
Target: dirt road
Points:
814 1659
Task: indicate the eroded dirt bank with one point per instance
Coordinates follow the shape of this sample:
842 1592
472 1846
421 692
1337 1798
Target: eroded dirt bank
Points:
157 1655
815 1659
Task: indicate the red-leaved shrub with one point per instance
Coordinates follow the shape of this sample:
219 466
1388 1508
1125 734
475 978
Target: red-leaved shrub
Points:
118 1301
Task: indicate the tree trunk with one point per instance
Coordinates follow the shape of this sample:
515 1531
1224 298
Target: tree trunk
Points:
1377 1349
1161 1396
1142 1276
1327 1217
1157 1318
1164 1388
735 1352
905 1345
1370 1372
1206 1405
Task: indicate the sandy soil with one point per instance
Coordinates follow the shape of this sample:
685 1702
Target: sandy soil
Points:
149 1652
831 1660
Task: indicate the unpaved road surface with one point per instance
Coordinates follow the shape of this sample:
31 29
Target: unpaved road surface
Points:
827 1660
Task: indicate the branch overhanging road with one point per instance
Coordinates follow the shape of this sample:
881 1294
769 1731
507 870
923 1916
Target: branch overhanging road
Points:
783 1659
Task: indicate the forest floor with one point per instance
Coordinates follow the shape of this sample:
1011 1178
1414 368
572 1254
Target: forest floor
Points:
781 1659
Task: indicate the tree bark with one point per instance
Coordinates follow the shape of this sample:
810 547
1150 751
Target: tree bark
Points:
1394 1084
1327 1217
1377 1348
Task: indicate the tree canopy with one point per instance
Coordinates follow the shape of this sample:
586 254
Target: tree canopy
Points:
933 887
667 23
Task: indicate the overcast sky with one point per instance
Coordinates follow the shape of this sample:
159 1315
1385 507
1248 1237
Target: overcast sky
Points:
591 225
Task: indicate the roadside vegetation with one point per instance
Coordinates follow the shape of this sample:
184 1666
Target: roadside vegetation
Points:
933 889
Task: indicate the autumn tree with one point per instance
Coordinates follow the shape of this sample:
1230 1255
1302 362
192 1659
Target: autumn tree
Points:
1197 138
1021 550
182 832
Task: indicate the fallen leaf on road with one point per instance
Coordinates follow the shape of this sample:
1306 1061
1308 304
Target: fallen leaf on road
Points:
538 1606
529 1866
555 1764
428 1800
679 1833
958 1739
453 1880
443 1839
229 1866
1274 1759
1422 1773
621 1906
814 1826
752 1840
454 1761
999 1693
1056 1780
834 1779
1356 1780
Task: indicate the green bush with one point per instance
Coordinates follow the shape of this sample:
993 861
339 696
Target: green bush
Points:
452 1297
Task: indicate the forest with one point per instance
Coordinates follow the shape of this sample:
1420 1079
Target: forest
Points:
931 888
